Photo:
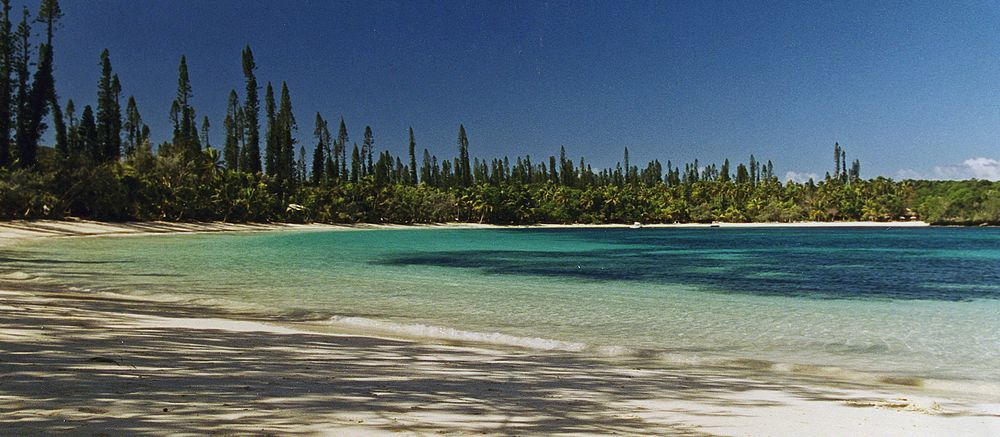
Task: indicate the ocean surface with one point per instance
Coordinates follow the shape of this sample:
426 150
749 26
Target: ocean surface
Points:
914 306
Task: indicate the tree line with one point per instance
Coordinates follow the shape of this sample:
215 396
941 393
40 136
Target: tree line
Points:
102 165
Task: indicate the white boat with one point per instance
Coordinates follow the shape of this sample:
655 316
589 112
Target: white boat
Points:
636 225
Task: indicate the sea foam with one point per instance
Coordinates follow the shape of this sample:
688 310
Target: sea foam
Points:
450 334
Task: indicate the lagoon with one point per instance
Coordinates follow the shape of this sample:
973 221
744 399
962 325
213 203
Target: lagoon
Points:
918 306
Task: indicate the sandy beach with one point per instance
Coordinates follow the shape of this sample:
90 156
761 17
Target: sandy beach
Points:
99 364
13 231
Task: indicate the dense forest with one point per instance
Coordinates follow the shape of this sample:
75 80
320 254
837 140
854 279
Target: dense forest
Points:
103 166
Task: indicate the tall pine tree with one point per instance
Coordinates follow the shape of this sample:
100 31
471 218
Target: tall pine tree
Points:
133 127
7 48
286 139
367 150
425 168
340 149
356 164
186 128
108 113
231 149
319 158
413 159
88 133
330 168
465 172
22 137
251 116
300 166
272 150
205 126
72 135
836 160
39 98
50 13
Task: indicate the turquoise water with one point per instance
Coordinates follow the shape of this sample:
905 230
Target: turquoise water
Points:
915 303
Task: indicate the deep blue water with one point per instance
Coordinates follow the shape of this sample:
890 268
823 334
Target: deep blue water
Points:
953 264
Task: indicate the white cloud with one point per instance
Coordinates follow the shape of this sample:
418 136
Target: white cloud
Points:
798 177
979 168
984 168
909 173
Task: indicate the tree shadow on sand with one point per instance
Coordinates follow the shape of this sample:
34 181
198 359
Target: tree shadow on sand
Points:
71 363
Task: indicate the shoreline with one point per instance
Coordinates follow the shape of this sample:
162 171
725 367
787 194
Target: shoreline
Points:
134 365
24 230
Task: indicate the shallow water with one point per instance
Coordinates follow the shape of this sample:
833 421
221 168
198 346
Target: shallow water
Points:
902 303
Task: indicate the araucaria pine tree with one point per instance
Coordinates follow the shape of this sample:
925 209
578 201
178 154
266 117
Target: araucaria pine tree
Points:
413 159
319 155
39 97
133 127
6 85
25 151
231 148
271 148
185 126
300 166
425 168
836 160
355 164
72 132
463 157
49 14
88 133
250 155
340 149
205 126
367 149
286 140
329 165
109 117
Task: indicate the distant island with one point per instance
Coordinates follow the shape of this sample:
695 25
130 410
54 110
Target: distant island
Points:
102 166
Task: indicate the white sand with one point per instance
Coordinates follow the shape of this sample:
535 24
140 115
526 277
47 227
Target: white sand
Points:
19 230
90 364
14 231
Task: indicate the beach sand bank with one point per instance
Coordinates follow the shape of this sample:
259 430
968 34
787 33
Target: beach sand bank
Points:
86 364
14 231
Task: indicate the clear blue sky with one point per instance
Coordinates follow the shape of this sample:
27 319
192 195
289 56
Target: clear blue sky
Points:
903 86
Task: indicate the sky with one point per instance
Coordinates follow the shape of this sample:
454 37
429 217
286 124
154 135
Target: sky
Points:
912 89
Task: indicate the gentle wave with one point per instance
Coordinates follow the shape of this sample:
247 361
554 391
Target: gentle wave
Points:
417 330
671 358
452 334
18 276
